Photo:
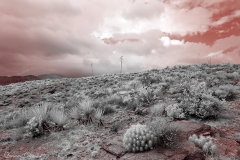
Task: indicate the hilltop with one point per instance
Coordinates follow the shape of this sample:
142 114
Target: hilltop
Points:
5 80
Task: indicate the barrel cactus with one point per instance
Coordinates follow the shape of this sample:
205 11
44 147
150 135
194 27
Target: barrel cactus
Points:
139 138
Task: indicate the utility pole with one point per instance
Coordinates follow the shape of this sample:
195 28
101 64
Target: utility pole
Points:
121 59
92 68
198 58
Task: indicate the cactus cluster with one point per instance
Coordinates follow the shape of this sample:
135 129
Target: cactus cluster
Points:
205 143
139 138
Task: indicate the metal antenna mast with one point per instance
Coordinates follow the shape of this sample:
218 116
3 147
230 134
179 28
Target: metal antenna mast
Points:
92 68
121 59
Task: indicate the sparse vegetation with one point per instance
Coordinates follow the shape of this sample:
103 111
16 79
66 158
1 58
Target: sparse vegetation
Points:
164 96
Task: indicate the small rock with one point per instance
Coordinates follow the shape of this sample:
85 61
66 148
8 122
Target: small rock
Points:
206 134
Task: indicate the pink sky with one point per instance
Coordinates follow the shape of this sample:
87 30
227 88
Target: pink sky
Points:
66 36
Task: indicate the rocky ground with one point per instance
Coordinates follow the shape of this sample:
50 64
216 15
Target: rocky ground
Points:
91 141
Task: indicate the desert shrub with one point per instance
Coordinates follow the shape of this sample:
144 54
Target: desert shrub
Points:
158 92
108 110
105 105
167 134
174 90
226 91
158 109
132 105
233 75
170 80
145 95
115 99
134 84
205 143
145 80
175 111
73 101
198 101
33 128
221 75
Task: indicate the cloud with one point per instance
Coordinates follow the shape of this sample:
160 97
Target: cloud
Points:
167 41
231 49
27 9
143 10
66 37
183 21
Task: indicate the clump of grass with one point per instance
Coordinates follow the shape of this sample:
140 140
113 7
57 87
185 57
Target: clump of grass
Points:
86 106
75 113
40 111
58 117
98 115
37 124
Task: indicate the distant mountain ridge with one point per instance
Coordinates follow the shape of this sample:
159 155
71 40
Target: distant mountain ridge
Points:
51 76
4 80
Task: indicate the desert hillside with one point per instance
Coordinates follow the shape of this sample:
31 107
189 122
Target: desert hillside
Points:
183 112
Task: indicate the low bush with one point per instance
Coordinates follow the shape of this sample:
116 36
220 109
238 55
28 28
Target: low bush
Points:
145 96
18 120
158 109
175 111
197 101
108 109
146 80
226 91
167 134
132 105
34 128
115 100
